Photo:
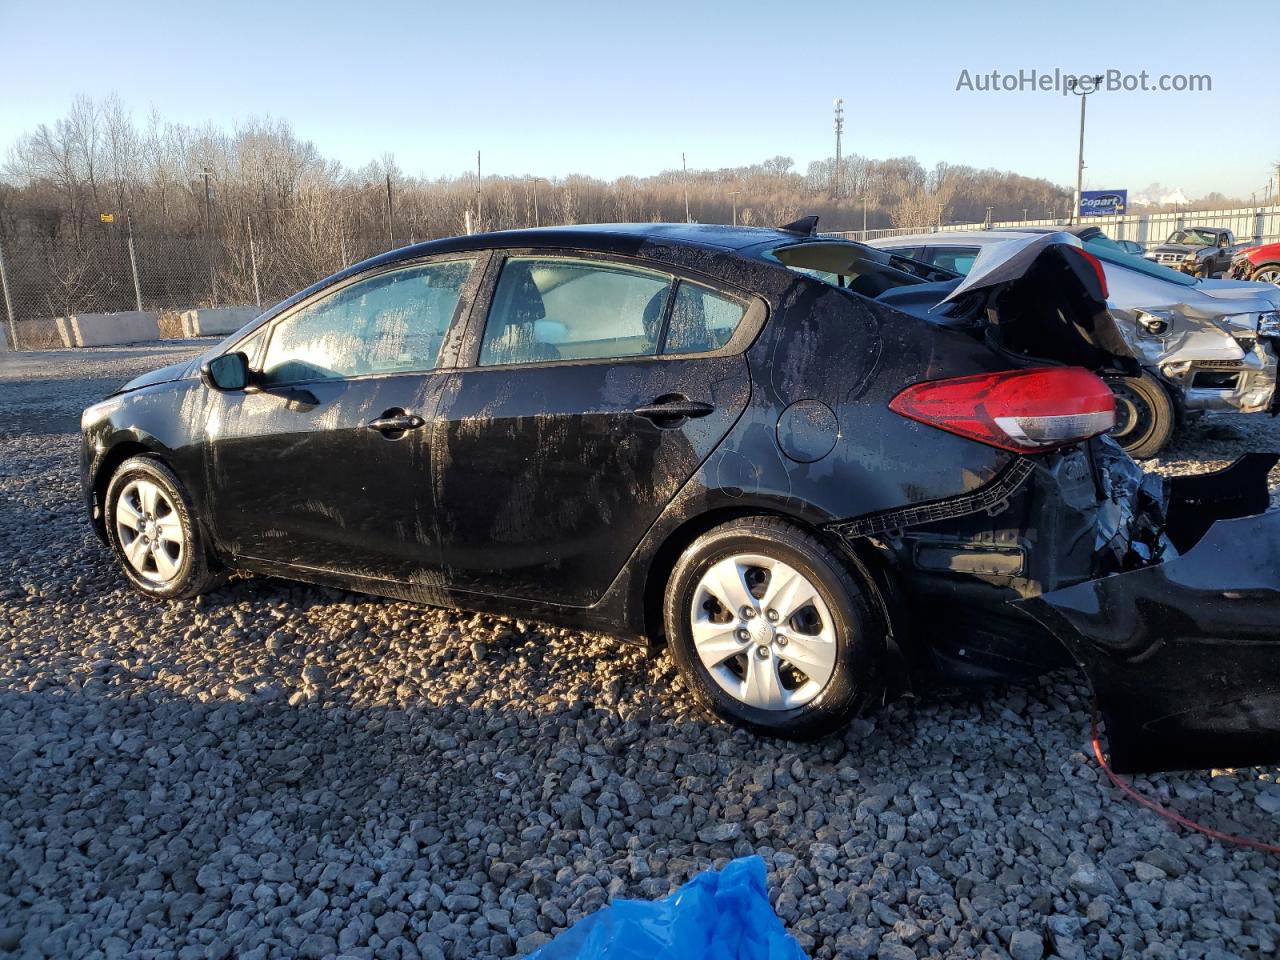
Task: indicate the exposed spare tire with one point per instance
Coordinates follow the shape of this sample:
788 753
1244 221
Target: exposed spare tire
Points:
1145 416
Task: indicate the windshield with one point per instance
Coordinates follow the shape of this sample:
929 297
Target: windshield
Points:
1104 248
1203 237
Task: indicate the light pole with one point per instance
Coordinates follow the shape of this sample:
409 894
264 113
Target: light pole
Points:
533 189
733 194
1081 87
838 103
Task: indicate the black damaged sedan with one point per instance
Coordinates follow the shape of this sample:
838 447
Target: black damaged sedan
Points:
809 465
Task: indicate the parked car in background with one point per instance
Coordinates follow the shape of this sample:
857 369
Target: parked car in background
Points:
1260 264
807 463
1131 246
1204 346
1199 251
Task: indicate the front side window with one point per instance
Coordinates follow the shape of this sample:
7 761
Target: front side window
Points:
394 322
701 320
565 309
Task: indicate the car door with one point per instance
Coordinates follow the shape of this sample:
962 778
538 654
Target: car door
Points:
324 462
595 388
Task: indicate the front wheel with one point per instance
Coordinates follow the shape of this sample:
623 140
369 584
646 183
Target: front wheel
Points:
152 531
1268 273
1145 417
771 630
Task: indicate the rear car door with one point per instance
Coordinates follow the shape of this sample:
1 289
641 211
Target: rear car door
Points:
324 463
593 389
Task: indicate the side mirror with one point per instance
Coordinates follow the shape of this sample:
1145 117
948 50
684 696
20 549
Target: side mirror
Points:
227 372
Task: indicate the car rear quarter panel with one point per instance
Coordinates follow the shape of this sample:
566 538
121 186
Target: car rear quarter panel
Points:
833 348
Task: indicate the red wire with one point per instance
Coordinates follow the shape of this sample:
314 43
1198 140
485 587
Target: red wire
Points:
1165 811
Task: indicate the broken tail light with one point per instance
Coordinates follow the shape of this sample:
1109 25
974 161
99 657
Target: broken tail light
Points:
1025 411
1098 270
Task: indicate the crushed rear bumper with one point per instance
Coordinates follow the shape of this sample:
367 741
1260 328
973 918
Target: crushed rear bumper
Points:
1184 655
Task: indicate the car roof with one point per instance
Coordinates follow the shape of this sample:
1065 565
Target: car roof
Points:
611 236
964 236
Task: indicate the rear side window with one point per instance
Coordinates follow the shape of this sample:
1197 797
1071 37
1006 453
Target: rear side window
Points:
701 320
390 323
957 259
565 309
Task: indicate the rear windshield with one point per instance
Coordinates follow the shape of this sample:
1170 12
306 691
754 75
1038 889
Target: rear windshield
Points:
1104 248
856 266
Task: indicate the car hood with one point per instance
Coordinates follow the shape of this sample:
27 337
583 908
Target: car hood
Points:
175 371
1244 294
1175 248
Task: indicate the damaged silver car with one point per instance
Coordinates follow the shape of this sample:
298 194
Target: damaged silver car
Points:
1204 346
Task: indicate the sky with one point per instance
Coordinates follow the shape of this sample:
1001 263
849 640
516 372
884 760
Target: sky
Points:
607 89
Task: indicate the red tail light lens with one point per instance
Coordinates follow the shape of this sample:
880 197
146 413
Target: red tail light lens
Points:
1096 264
1026 411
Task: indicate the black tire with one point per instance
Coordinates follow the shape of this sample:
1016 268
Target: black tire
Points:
1267 273
1145 415
856 680
194 574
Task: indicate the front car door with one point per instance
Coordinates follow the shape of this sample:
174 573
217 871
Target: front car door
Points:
324 464
592 390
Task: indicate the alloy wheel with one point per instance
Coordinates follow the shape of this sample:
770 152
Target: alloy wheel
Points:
763 632
1268 275
149 531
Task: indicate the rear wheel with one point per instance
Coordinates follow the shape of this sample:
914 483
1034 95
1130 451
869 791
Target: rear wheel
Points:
153 534
771 630
1145 417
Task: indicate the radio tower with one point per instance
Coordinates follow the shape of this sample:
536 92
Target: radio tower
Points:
835 179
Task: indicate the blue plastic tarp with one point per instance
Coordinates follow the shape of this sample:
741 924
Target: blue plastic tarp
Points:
715 916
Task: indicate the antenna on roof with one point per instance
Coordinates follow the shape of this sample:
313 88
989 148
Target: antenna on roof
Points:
805 226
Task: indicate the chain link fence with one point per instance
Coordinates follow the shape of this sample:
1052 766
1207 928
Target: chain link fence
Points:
247 263
45 278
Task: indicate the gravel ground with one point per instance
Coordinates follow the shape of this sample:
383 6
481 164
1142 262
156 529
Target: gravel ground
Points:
276 770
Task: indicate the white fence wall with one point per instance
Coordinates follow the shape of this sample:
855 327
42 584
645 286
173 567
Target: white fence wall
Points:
1249 224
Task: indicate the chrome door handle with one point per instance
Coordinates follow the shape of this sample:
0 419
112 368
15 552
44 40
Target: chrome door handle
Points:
396 424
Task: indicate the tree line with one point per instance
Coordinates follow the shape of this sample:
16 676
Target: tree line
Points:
309 215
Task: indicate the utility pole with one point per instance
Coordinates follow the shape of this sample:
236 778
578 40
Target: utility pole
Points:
533 187
479 195
838 103
733 195
391 222
684 164
1024 214
208 232
253 261
988 223
864 216
8 302
133 259
1082 90
939 206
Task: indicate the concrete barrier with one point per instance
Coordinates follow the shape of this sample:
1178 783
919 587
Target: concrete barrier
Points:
216 321
106 329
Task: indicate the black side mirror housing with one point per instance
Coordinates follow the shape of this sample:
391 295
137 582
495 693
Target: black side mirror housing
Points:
230 371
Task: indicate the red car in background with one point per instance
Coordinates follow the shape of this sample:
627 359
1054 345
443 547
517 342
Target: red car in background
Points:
1261 263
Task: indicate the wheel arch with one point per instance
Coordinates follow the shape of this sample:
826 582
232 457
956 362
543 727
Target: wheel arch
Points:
864 564
106 468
